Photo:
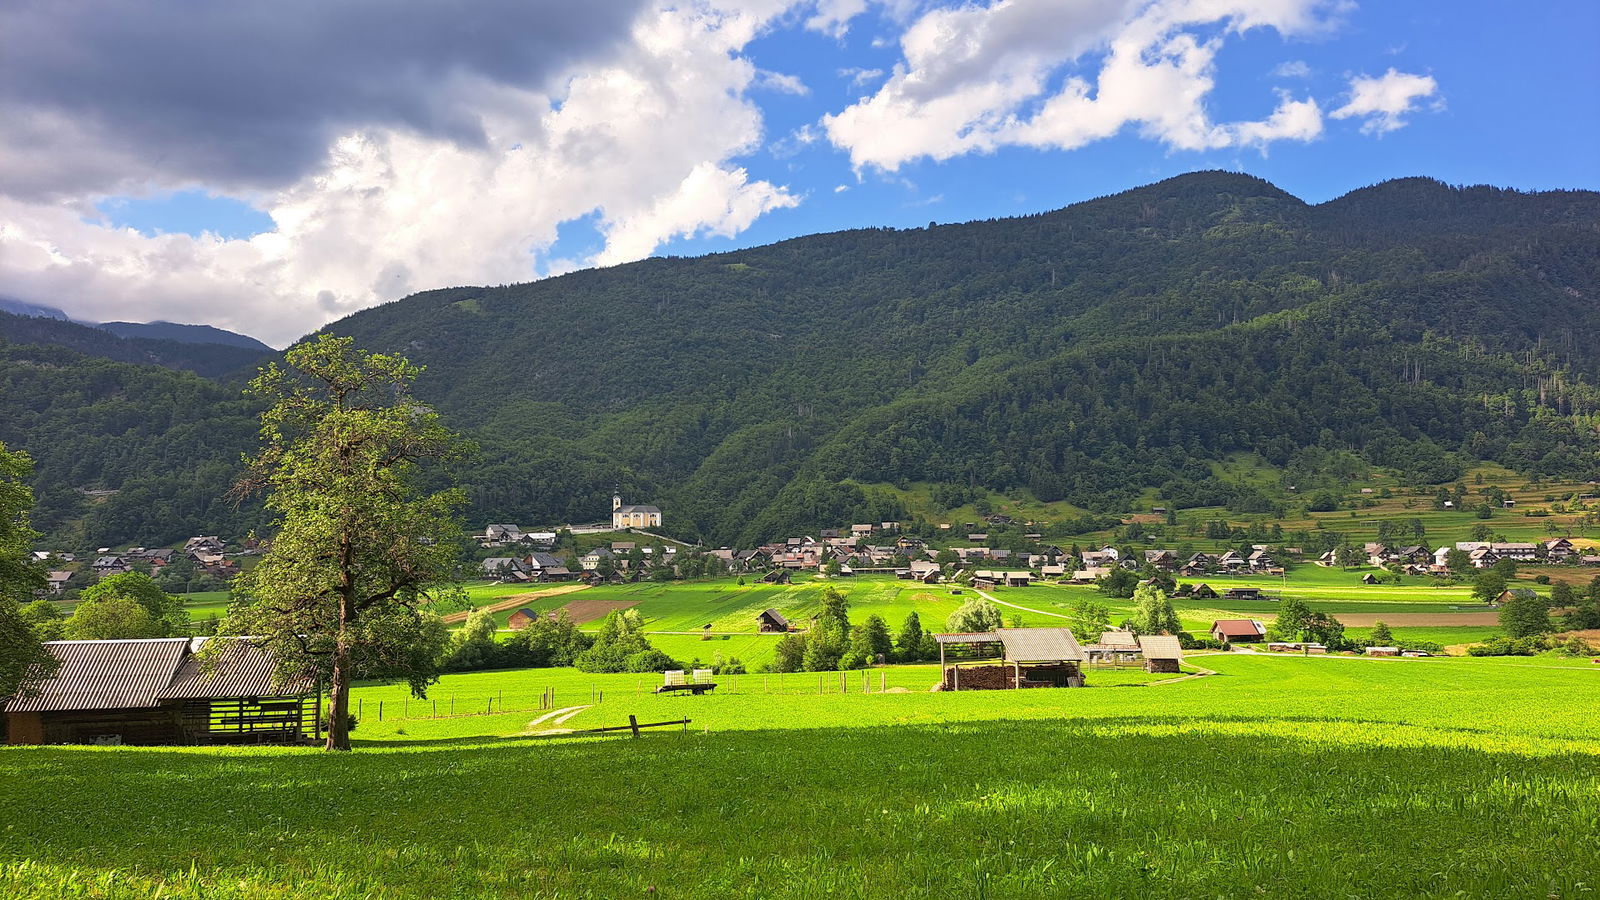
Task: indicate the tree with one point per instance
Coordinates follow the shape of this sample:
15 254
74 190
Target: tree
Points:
1488 586
1349 557
621 646
974 616
547 642
1090 620
360 549
1381 636
790 654
113 618
47 619
877 638
1562 596
1525 614
1153 612
909 643
22 655
1118 582
475 646
1458 561
167 615
829 637
1506 567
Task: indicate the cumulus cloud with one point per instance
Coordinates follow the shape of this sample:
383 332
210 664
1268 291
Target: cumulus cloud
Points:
976 78
460 186
252 93
1383 102
1294 68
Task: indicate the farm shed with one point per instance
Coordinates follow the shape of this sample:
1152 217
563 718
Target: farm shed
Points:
1383 651
159 691
1037 657
1203 591
1242 593
1238 631
1162 653
772 621
522 618
1114 644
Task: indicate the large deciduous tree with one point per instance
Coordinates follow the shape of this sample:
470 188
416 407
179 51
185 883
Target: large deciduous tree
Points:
360 549
22 656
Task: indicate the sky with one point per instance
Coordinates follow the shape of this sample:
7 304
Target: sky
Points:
268 166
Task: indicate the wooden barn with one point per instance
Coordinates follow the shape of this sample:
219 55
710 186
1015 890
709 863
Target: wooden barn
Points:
522 618
1203 591
159 691
1162 653
1239 631
1010 658
772 621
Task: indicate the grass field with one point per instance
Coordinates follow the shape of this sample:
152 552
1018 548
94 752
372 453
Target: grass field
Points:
677 613
1278 776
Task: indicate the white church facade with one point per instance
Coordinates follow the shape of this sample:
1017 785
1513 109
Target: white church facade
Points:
627 516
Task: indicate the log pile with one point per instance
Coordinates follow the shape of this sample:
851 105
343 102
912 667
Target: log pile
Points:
980 678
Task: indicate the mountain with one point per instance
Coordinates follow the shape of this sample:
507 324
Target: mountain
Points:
184 334
203 358
1091 354
23 308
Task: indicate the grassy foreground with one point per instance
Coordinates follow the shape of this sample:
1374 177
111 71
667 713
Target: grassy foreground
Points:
1276 777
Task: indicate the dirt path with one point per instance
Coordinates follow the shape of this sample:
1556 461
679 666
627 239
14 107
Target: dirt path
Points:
514 601
1038 612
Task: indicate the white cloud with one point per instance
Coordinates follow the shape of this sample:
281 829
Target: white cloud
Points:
840 188
976 78
1294 68
860 77
784 84
1384 101
832 17
643 140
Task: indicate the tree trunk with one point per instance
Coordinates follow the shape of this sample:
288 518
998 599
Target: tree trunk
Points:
339 702
339 685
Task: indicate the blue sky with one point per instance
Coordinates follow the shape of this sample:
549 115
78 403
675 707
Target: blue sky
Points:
271 204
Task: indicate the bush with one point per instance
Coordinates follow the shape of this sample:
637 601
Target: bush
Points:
651 660
1541 579
1503 646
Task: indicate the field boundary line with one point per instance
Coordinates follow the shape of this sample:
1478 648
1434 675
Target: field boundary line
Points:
514 601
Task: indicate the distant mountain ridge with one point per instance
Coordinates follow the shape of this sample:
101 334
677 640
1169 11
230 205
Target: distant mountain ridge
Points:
1101 354
184 334
208 358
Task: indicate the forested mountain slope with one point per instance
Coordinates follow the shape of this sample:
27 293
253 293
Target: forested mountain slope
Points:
1083 354
155 344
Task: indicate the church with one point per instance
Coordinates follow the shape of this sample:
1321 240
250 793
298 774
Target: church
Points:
633 516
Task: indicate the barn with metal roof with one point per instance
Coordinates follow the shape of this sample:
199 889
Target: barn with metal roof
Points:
161 691
1037 657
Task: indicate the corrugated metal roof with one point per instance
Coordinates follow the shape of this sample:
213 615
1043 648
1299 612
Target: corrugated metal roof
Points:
966 637
139 674
242 669
106 675
1115 638
1040 645
1160 646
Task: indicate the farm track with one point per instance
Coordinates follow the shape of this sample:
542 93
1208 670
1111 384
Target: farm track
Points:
514 601
1038 612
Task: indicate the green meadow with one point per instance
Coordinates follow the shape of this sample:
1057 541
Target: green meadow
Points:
677 613
1277 776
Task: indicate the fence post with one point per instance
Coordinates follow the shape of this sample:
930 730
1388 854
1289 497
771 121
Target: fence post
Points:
452 704
491 705
633 722
359 704
819 682
405 711
883 681
380 710
436 707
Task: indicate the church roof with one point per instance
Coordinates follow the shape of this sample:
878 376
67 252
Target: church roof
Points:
637 509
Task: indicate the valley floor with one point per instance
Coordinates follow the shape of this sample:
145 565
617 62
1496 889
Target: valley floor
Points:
1277 776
